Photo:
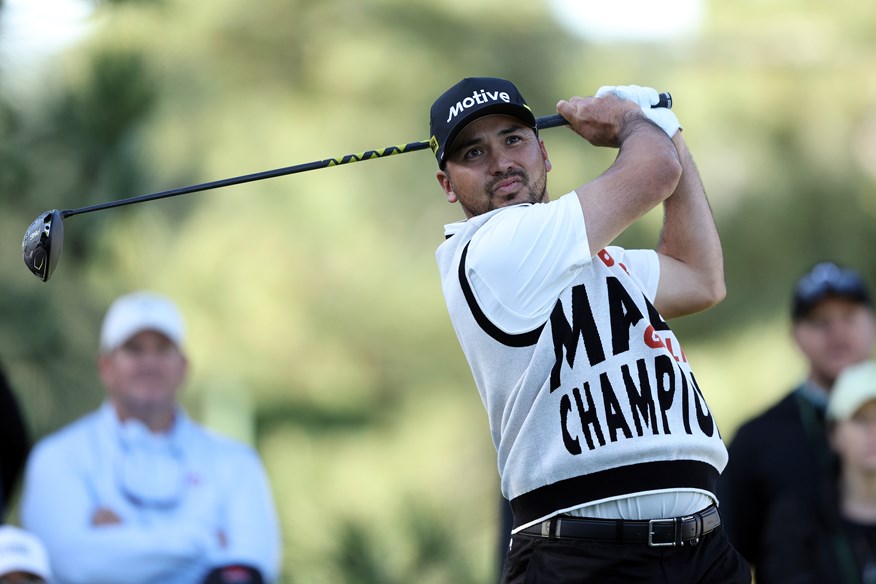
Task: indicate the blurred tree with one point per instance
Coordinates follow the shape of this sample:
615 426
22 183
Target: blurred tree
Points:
435 555
93 127
78 149
357 557
14 175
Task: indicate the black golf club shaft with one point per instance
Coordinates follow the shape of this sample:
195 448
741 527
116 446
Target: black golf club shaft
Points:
236 180
550 121
44 238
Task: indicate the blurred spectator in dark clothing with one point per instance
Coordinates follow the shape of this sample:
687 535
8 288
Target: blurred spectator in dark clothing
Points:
14 443
782 455
832 538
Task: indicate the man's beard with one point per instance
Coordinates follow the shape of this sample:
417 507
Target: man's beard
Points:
536 192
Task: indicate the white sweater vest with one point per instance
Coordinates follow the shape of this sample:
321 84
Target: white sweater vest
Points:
596 400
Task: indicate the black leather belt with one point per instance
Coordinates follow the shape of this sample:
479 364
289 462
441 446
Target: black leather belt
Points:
675 531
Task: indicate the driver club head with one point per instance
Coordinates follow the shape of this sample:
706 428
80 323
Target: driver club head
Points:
42 243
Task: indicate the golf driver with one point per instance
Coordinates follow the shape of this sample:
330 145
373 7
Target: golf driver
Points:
43 240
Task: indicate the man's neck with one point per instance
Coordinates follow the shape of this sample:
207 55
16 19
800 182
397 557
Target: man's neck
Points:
858 496
814 394
158 422
820 381
817 384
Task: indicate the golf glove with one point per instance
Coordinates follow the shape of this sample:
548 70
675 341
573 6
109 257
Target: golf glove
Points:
645 97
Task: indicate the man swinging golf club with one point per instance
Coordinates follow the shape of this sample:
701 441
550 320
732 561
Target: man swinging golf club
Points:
606 447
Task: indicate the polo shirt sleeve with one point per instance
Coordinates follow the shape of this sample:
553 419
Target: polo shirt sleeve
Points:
521 260
643 265
250 521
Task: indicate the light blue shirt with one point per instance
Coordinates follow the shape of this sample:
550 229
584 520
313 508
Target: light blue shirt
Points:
175 494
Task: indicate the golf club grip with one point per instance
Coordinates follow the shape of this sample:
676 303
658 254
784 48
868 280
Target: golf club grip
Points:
556 120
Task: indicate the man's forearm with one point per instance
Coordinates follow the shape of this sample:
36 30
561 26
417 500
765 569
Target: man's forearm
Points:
690 237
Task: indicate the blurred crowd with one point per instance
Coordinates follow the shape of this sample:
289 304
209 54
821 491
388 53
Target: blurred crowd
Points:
136 491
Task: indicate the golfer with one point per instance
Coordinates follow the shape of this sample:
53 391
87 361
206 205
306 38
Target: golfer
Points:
606 447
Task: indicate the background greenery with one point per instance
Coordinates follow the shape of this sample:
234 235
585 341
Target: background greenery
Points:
317 328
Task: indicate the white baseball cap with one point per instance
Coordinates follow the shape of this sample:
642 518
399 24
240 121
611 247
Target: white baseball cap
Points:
854 387
21 551
138 312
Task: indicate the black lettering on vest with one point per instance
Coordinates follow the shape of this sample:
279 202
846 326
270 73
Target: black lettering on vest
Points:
573 445
665 369
588 417
641 400
624 315
656 320
685 404
704 416
565 336
614 416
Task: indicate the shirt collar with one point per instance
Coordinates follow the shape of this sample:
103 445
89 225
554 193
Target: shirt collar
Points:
134 432
816 394
451 229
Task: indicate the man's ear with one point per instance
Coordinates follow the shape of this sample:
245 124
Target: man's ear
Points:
446 185
104 367
795 334
547 161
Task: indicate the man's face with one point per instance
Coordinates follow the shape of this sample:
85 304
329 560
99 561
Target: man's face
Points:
835 334
495 161
143 376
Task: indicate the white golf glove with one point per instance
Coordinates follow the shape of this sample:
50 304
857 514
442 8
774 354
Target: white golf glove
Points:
645 97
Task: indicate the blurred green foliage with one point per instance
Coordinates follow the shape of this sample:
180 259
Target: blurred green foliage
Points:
315 315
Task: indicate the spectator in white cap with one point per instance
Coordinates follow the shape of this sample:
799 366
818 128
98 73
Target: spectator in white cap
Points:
851 415
136 492
23 558
782 454
831 537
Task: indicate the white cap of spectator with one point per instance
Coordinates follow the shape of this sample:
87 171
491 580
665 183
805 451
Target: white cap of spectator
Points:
137 312
22 552
854 387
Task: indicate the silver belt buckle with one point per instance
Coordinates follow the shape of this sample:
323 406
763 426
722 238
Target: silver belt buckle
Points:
652 523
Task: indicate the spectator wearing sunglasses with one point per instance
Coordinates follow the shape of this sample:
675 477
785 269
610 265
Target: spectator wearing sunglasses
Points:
783 453
136 492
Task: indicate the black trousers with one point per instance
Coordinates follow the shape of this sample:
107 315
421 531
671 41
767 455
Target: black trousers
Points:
538 560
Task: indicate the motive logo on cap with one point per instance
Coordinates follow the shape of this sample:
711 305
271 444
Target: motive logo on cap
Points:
468 100
478 97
